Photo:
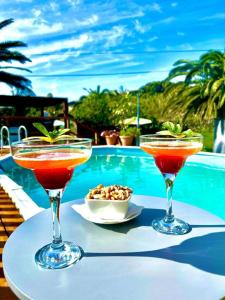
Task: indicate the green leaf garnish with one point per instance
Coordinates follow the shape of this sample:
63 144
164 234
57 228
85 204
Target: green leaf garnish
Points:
176 130
51 136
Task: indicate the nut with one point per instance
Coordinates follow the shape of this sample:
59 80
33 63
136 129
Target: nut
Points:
112 192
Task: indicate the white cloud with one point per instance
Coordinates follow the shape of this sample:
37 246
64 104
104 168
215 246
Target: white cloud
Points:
108 38
89 21
84 64
218 16
36 12
112 16
53 5
132 64
174 4
116 36
74 2
165 21
144 28
141 28
112 37
154 38
45 29
75 43
154 7
46 59
179 33
23 28
5 89
56 64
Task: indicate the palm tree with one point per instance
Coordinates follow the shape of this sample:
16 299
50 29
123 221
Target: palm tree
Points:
202 91
19 84
154 87
98 93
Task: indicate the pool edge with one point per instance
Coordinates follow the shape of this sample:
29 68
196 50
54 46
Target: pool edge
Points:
26 206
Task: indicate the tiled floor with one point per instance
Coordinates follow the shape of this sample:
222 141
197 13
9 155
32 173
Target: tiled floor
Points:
9 220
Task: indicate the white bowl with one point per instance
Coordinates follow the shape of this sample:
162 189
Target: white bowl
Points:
108 209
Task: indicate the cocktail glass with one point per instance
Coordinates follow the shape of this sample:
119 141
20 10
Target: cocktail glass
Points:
53 166
170 154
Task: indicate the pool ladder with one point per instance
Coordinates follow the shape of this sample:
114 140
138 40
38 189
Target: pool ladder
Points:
19 132
22 131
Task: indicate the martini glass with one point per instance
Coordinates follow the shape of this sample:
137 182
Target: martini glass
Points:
53 166
170 154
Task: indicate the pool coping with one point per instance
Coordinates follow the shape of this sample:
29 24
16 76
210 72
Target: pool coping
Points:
28 208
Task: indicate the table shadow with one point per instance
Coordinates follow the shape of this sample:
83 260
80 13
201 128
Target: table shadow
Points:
146 218
203 252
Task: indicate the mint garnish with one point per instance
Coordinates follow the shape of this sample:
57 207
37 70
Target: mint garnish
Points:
176 130
50 136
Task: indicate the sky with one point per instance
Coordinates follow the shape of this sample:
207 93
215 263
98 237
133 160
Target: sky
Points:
77 44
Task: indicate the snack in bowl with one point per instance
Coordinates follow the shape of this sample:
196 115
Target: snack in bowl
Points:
109 202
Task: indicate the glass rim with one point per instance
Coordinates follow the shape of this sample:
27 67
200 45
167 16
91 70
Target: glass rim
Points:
169 138
37 142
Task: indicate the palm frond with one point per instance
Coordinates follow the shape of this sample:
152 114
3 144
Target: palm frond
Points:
9 56
6 23
221 104
182 61
11 44
207 88
217 85
191 75
19 82
16 68
212 55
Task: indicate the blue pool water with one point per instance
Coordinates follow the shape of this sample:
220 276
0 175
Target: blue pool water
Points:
201 182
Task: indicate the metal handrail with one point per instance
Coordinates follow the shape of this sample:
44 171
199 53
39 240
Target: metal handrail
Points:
7 134
22 127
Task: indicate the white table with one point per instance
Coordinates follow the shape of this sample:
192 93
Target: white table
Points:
125 261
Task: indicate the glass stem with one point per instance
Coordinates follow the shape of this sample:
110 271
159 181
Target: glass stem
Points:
169 180
55 198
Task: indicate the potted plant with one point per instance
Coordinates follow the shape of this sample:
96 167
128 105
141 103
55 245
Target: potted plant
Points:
111 136
127 135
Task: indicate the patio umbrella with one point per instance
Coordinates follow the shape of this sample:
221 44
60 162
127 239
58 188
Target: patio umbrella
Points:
134 121
58 123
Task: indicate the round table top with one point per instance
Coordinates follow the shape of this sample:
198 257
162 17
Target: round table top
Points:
123 261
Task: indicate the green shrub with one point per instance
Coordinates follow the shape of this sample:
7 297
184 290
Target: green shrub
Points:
130 131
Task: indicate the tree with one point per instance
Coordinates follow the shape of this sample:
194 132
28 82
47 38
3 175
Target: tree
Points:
155 87
122 105
19 84
98 93
93 109
202 91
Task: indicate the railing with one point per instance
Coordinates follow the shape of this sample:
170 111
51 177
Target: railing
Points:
20 129
5 138
4 148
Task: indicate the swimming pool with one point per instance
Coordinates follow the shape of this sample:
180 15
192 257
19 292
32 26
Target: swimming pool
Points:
201 182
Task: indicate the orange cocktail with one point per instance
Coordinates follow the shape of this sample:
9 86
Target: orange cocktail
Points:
53 164
170 154
52 169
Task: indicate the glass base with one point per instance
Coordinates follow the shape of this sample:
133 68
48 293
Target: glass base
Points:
49 257
177 227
